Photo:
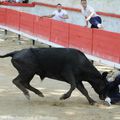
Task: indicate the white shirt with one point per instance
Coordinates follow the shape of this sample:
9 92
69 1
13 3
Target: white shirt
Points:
19 1
58 15
86 12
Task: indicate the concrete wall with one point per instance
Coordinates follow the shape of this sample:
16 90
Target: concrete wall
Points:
111 6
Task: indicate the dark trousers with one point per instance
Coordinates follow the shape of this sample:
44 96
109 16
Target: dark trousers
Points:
95 21
115 96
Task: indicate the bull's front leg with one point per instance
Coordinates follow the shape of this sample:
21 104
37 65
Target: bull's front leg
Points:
82 89
69 78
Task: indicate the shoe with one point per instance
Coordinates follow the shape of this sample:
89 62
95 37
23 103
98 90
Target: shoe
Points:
107 102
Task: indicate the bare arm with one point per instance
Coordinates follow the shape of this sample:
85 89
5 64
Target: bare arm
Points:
65 17
86 22
48 16
89 17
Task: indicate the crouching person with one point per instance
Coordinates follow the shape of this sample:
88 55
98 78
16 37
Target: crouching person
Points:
113 92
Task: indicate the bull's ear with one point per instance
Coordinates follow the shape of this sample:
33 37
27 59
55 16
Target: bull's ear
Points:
104 75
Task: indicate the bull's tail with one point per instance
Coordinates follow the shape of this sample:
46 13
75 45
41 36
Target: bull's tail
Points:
11 54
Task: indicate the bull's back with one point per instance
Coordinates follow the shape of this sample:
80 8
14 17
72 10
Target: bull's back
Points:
55 60
51 62
57 56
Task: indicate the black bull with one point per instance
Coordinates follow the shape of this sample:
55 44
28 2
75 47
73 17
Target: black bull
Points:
64 64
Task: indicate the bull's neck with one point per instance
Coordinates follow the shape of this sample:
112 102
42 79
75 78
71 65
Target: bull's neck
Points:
96 87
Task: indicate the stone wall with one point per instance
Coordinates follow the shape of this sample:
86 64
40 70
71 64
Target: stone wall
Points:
111 6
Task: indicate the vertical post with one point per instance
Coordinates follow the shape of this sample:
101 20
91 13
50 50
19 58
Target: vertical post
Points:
92 61
18 41
5 33
19 37
33 42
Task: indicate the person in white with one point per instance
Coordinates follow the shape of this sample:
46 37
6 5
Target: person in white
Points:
90 15
59 14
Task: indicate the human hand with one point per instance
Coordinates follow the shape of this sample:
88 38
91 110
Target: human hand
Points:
86 26
86 20
41 17
61 16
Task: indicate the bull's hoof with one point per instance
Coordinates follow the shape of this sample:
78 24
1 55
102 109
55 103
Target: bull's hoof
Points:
27 96
41 95
64 96
92 102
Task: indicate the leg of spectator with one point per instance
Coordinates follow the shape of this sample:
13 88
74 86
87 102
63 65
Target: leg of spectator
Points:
115 99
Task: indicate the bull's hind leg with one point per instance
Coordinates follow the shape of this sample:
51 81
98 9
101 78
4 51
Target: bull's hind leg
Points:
69 78
26 78
17 82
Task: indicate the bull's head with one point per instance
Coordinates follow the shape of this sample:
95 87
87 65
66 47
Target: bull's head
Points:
103 86
100 85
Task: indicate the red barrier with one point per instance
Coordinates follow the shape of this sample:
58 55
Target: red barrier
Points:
106 45
42 27
3 16
13 18
18 4
27 22
60 33
80 38
36 25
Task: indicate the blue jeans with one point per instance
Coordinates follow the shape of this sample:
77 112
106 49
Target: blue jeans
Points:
113 87
115 98
95 21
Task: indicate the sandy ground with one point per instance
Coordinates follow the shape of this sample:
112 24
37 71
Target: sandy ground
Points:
14 106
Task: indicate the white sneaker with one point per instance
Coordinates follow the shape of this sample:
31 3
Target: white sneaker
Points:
107 101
